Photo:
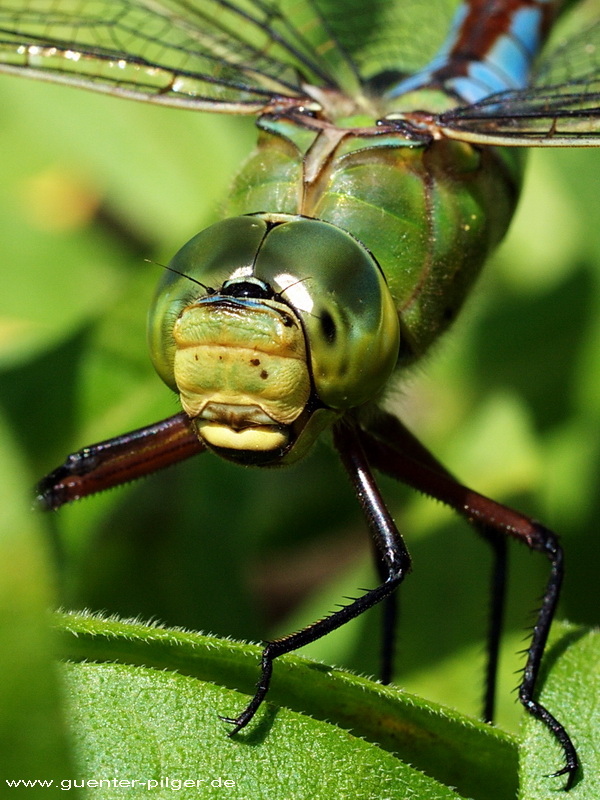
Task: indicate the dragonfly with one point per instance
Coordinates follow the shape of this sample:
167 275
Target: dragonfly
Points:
387 169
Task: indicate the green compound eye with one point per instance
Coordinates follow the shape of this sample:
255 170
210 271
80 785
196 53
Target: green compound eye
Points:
336 287
261 313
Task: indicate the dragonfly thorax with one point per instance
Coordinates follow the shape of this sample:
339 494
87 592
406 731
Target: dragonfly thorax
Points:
269 327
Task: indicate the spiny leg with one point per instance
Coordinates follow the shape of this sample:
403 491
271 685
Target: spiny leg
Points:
389 544
504 521
120 460
388 429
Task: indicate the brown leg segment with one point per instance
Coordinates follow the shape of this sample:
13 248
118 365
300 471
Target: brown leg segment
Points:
119 460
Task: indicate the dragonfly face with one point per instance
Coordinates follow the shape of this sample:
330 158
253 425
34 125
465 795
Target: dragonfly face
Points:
269 327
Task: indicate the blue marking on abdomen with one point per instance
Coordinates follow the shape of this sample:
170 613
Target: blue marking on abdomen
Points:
505 66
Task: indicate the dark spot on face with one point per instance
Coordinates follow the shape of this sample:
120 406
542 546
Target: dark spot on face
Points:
196 357
449 313
255 362
264 374
328 327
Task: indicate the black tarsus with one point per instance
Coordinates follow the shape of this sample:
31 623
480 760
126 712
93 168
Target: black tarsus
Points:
390 546
393 450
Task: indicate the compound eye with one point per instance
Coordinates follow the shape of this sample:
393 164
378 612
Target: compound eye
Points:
338 290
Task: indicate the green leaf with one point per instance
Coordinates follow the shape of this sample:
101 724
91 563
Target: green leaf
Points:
141 724
570 688
479 760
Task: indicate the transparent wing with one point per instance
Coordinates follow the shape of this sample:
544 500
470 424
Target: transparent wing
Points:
209 54
237 56
388 36
561 107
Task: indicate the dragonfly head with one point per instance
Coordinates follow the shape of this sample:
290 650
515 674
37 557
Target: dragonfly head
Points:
269 327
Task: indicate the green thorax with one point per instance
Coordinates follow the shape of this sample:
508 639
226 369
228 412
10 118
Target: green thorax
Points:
429 214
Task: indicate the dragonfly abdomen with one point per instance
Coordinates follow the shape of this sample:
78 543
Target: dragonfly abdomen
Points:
489 49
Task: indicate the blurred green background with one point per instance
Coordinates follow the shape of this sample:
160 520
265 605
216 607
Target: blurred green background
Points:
510 401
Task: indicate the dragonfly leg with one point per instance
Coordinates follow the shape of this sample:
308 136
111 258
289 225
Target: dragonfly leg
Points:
390 430
494 521
390 617
389 624
390 546
119 460
498 543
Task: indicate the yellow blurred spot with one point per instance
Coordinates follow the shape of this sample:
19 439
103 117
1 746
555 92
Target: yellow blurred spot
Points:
56 200
12 327
325 47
